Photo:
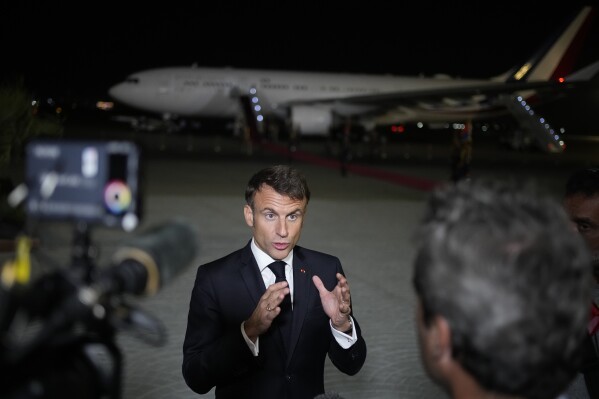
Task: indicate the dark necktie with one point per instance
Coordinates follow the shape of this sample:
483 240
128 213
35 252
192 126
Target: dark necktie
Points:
285 317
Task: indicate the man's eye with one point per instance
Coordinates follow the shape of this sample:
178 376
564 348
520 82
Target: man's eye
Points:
582 227
293 217
269 216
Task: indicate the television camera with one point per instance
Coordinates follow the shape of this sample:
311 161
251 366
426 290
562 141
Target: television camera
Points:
58 329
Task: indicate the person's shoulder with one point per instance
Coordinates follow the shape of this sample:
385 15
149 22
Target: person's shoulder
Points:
232 258
302 252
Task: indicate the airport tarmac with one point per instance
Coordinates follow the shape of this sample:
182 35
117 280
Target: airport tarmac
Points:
366 218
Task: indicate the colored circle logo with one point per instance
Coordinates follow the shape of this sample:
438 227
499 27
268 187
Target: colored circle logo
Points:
117 197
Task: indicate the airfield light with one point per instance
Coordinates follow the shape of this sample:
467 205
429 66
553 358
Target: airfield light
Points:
257 108
397 128
561 80
104 105
253 90
254 100
260 118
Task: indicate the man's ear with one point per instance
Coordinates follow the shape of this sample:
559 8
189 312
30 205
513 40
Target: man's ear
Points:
249 215
440 339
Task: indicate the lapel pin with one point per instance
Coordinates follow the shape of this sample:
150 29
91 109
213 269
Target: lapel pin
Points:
302 270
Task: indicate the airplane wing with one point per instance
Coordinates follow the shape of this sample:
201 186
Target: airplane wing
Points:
462 103
465 92
541 78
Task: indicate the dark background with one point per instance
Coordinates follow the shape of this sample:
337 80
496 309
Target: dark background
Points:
82 48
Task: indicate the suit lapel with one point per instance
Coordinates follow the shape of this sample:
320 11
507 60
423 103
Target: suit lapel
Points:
302 285
251 275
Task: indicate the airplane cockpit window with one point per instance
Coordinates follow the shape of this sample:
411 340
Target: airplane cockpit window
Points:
132 80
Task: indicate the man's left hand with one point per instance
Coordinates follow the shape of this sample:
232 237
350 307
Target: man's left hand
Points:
336 303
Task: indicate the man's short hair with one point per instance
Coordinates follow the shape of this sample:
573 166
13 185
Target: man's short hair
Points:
502 266
284 179
583 181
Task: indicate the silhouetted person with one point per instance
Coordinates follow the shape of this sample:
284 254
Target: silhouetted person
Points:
581 201
461 153
345 153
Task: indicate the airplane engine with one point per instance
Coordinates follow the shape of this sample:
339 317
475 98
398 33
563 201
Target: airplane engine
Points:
311 120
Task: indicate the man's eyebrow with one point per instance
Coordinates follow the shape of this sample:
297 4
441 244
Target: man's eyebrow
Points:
269 209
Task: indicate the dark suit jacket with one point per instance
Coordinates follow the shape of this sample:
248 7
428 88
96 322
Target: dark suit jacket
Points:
225 293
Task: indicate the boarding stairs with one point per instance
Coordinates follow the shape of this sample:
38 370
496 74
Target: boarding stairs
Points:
535 125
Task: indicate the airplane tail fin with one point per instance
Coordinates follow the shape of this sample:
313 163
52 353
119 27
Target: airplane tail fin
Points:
557 57
554 62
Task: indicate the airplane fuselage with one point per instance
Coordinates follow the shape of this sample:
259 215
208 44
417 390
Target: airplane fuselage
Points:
215 92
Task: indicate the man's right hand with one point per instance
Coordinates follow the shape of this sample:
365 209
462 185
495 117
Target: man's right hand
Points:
268 308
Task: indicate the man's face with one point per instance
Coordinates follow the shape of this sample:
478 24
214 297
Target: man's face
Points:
276 221
584 213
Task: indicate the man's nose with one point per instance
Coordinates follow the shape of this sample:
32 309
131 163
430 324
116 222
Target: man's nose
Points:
282 228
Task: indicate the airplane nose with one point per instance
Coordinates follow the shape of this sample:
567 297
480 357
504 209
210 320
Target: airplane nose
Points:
122 93
116 91
131 95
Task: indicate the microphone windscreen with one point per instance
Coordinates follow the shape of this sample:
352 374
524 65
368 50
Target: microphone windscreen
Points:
163 250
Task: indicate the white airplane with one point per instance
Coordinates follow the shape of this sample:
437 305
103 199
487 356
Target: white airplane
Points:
313 103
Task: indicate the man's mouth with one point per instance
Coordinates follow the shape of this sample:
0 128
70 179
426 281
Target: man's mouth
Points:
280 245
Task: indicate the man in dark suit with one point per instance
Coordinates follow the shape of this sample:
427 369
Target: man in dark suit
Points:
235 339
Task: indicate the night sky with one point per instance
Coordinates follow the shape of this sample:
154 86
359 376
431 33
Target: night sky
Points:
83 48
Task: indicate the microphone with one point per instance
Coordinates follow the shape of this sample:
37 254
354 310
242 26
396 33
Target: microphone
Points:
149 261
